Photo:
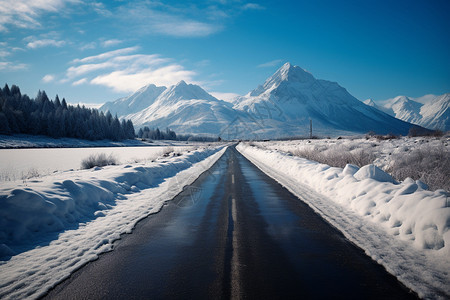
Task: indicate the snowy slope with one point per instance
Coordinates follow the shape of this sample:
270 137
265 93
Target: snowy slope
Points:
293 96
53 226
136 102
186 108
429 111
282 106
402 226
436 113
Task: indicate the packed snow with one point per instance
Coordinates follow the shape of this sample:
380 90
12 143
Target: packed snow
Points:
52 226
401 225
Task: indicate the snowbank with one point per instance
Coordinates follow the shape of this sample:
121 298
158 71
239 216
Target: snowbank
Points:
401 225
53 226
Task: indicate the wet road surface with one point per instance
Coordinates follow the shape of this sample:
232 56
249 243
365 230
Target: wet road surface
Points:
234 233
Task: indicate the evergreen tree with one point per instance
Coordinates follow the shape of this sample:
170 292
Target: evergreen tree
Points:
20 114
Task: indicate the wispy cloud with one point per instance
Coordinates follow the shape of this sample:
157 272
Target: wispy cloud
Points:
48 78
107 55
125 71
27 13
110 43
45 43
12 66
185 28
79 82
4 53
148 18
253 6
272 63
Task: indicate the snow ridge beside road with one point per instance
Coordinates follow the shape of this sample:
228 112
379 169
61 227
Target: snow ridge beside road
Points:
402 226
69 219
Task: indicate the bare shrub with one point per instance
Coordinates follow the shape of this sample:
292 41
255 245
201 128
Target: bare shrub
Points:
337 157
167 150
429 164
31 173
98 160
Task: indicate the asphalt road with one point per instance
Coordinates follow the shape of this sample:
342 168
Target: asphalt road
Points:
234 233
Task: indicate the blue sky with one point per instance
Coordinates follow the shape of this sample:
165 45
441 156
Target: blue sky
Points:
93 52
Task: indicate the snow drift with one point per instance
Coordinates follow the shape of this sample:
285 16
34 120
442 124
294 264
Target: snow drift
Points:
53 226
410 218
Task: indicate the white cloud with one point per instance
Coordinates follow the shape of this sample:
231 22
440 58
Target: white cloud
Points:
125 81
26 13
107 55
73 72
4 53
48 78
123 71
146 20
11 66
109 43
272 63
87 46
182 28
45 43
79 82
253 6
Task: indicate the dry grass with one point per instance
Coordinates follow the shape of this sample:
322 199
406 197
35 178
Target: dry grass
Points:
430 165
98 160
337 157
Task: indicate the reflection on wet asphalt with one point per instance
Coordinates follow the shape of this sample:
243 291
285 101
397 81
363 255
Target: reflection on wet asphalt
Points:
234 233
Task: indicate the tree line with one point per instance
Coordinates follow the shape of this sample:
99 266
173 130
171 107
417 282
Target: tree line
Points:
55 118
156 134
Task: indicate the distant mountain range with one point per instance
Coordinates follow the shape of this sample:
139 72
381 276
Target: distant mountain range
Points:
430 111
283 106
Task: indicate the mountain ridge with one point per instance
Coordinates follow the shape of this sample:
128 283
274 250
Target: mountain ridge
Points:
429 111
282 106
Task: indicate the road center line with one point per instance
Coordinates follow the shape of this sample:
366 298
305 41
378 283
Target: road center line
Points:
232 178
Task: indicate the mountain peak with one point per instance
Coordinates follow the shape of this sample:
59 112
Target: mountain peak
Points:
287 73
286 66
184 91
181 83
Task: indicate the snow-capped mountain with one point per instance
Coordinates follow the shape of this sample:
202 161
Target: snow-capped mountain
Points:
134 103
186 108
429 111
436 113
282 106
290 98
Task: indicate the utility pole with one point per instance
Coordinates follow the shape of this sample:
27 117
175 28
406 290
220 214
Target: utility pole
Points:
310 128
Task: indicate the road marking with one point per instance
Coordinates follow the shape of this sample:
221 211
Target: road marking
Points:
232 178
233 209
235 278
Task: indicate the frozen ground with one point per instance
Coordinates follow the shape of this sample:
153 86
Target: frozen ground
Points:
401 225
53 225
32 163
424 158
37 141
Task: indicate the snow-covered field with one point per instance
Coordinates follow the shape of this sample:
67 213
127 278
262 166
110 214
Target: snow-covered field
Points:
390 155
25 164
52 225
38 141
401 225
